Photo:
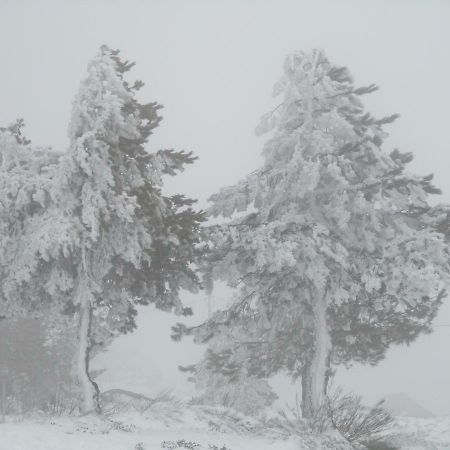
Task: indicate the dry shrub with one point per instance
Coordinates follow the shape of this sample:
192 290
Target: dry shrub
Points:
356 422
343 412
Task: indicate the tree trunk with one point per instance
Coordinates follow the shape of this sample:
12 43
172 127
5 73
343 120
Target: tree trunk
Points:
315 372
90 391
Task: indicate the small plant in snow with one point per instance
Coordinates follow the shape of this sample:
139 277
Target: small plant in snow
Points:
291 421
345 412
379 445
120 426
354 421
181 443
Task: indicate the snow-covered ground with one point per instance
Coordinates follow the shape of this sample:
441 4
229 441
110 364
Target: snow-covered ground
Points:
95 434
162 427
421 434
190 428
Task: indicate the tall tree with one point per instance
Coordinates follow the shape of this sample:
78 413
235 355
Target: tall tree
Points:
112 239
329 244
27 174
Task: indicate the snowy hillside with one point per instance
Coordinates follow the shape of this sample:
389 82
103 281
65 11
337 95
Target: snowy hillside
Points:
403 405
191 429
421 434
164 427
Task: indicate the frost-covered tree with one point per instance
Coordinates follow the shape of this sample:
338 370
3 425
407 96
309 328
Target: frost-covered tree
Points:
223 377
111 239
27 176
330 244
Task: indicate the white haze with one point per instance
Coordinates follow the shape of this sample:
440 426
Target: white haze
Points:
212 65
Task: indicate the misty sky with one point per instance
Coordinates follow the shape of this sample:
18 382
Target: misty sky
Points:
212 65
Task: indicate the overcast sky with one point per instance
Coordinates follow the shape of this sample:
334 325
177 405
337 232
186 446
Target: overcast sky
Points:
212 65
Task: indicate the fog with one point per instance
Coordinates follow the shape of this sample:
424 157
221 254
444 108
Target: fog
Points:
212 65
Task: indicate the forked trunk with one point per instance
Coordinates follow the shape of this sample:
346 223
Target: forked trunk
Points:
316 369
90 391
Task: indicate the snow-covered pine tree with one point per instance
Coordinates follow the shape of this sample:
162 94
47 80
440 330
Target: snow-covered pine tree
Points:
329 244
113 240
27 175
224 378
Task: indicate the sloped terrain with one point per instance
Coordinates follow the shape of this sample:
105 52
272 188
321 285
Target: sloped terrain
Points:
156 426
135 422
421 434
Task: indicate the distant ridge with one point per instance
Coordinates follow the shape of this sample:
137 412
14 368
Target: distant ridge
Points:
403 405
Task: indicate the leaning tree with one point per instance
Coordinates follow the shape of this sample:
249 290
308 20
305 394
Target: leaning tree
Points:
331 244
110 240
